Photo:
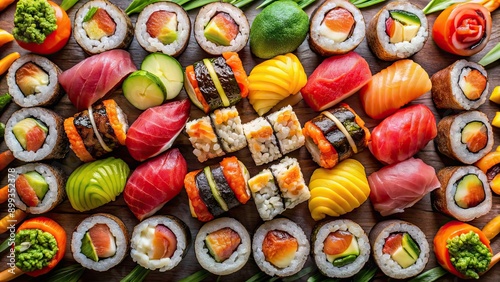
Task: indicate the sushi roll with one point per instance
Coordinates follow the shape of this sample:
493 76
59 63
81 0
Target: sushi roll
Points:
266 195
218 82
160 242
335 135
39 187
280 247
163 27
227 125
466 137
397 31
291 182
222 246
400 248
95 132
464 193
34 134
32 81
100 26
340 248
288 131
461 86
261 140
100 242
221 27
204 140
337 27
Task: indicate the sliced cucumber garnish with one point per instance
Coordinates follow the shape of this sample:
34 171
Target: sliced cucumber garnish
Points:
168 69
144 90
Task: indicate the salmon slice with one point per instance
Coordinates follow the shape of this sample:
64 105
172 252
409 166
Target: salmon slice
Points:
223 243
473 85
35 138
337 242
279 248
392 243
226 25
104 22
340 24
26 192
164 242
163 26
103 240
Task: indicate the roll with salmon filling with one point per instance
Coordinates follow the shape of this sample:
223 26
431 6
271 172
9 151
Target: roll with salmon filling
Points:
100 26
100 242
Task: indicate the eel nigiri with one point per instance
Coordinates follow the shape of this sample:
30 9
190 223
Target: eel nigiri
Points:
394 87
403 134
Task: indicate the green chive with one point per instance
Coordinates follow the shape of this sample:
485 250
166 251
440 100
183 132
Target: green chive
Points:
137 274
90 14
430 275
67 4
198 276
70 273
491 56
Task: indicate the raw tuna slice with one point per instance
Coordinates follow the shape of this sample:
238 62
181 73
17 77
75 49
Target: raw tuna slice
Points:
155 129
154 183
96 76
399 186
335 79
403 134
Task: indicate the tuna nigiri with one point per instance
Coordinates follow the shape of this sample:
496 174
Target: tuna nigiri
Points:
399 186
394 87
156 129
154 183
403 134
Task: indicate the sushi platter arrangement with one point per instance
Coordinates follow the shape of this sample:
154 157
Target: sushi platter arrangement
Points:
163 139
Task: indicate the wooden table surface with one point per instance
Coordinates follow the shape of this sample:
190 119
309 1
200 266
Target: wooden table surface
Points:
431 58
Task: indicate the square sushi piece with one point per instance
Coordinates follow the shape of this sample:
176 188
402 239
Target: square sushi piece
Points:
261 141
227 125
288 130
266 195
204 140
291 182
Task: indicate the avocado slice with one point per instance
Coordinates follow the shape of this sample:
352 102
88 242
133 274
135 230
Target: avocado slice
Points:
410 246
214 189
405 17
37 183
223 187
22 128
352 250
168 33
88 248
467 186
205 192
403 258
217 83
215 34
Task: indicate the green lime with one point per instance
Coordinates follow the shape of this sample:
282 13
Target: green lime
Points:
279 29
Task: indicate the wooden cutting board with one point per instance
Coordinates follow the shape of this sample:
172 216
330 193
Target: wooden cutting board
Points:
431 58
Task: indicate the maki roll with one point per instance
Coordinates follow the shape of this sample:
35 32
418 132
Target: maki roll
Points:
222 246
227 125
335 135
262 142
400 248
163 27
221 27
397 31
340 248
466 137
266 195
100 26
204 140
32 81
100 242
97 131
34 134
461 86
288 131
39 187
280 247
160 242
464 193
337 27
216 82
291 182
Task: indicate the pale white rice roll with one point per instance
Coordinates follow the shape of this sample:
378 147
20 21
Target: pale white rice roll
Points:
42 89
205 146
227 125
287 128
261 140
291 182
266 195
238 258
117 229
321 233
153 44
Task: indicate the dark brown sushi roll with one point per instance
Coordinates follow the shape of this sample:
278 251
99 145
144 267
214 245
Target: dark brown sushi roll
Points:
206 194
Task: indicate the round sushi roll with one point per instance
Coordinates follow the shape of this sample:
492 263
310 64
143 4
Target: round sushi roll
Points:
148 244
399 248
32 81
280 247
163 27
34 134
222 246
461 86
39 187
100 242
342 262
221 27
337 27
397 31
101 26
466 137
464 193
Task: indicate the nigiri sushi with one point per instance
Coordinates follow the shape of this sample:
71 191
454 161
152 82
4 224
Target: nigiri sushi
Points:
403 134
394 87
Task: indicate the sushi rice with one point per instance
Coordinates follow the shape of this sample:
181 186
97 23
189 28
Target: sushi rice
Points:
266 195
227 125
261 141
291 182
205 142
288 131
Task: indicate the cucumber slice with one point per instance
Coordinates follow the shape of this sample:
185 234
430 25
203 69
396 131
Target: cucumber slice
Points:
143 90
192 95
168 69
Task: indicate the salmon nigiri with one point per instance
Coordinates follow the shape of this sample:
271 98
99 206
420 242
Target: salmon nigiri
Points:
394 87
